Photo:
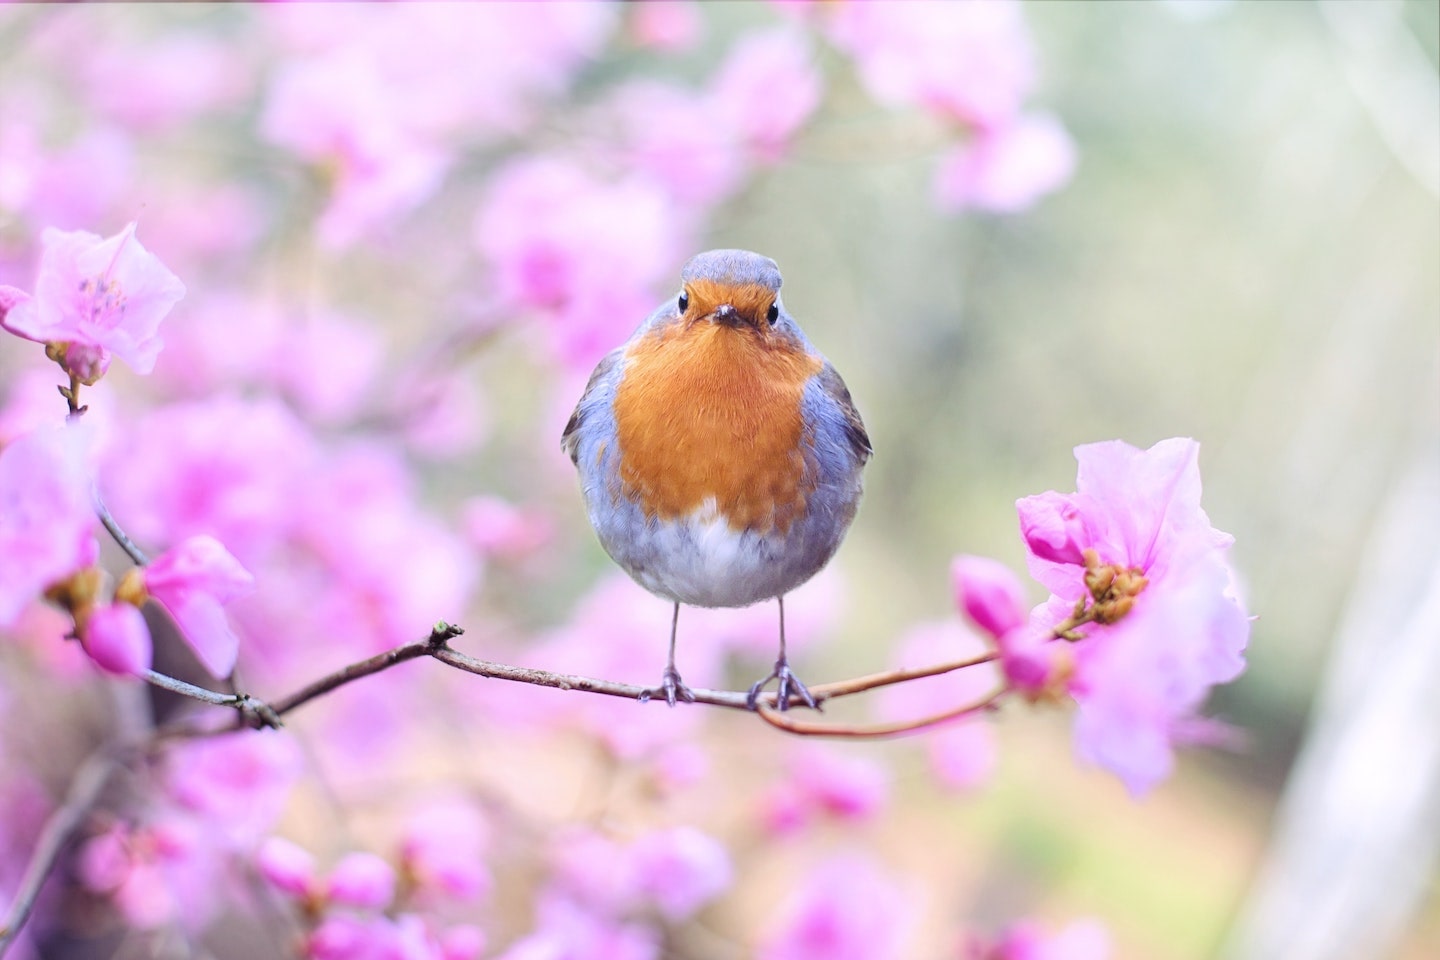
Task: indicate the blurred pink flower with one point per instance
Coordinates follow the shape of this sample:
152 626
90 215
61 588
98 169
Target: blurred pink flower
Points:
680 870
46 514
237 784
988 593
674 871
442 851
193 581
405 937
1141 678
1027 940
581 253
361 880
390 567
117 639
656 123
962 753
848 908
671 26
338 113
565 930
97 297
1007 168
287 867
461 942
155 85
501 529
156 874
821 780
765 91
971 62
473 70
229 468
83 181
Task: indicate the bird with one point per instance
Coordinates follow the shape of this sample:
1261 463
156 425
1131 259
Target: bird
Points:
719 453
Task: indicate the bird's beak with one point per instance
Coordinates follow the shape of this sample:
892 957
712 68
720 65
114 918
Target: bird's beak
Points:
728 315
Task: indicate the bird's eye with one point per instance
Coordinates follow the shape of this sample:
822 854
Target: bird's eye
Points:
773 313
684 301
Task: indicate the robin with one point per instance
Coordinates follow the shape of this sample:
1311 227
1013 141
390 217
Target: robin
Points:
719 453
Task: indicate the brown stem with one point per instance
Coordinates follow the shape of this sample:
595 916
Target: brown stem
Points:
67 818
876 731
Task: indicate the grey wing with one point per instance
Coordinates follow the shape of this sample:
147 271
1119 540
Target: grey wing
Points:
854 428
570 438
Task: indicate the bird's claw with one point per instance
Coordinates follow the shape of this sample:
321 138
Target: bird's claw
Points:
671 688
788 685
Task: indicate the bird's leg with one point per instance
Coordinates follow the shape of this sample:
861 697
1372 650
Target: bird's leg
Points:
789 685
670 684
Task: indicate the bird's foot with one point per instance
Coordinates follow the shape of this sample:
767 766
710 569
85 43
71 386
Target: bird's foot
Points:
671 688
788 686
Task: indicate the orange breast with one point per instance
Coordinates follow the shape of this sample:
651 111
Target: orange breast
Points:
710 411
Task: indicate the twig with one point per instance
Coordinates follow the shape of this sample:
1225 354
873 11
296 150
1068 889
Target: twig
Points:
89 781
119 535
382 661
809 728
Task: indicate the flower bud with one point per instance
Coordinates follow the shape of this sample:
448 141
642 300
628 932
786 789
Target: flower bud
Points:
117 639
989 593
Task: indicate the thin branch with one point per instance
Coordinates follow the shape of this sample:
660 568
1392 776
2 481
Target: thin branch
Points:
382 661
119 535
67 818
809 728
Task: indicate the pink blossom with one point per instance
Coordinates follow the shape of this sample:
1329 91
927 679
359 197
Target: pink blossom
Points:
477 70
156 874
680 870
988 593
848 908
46 514
671 26
822 780
361 880
347 937
193 581
339 113
462 942
1006 169
238 783
972 62
565 930
160 84
79 182
1143 671
442 851
287 867
765 91
391 566
1027 940
581 253
445 418
699 164
116 638
501 529
97 297
225 467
